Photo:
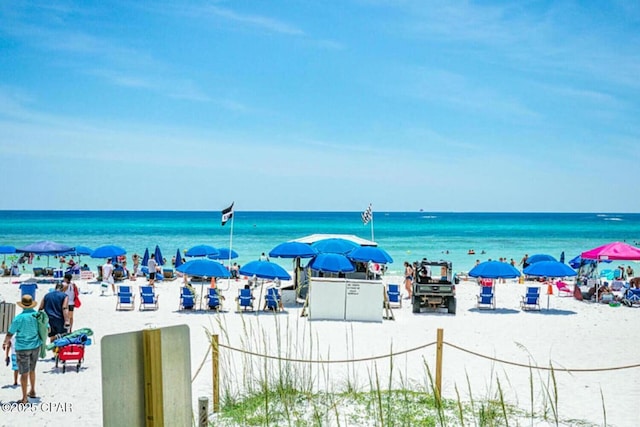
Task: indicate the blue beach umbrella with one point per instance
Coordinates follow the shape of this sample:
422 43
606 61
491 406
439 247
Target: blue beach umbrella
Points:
159 257
224 253
332 263
494 270
579 261
145 258
264 270
6 249
108 251
334 245
293 250
179 261
370 254
203 267
81 250
549 269
540 257
201 250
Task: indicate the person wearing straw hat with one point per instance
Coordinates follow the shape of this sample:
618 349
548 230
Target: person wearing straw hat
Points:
25 328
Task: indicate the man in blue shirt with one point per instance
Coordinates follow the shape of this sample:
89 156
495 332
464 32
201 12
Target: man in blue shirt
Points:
55 304
25 329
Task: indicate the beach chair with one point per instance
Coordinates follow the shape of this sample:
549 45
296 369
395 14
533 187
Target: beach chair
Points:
632 297
28 288
187 299
245 300
272 300
126 298
531 300
148 298
486 298
393 294
118 274
214 299
563 289
168 274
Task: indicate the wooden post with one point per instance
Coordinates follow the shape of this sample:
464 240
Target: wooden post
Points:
203 411
216 378
439 346
152 352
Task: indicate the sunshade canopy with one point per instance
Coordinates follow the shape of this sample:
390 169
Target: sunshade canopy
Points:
265 270
293 250
549 269
494 270
203 267
613 251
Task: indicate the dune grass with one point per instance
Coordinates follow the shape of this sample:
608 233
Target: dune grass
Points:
284 391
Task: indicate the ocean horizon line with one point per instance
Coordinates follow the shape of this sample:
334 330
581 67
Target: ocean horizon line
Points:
605 213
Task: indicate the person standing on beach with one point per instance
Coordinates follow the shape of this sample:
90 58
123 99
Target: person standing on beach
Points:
56 305
69 288
525 261
136 266
408 279
152 265
107 275
25 328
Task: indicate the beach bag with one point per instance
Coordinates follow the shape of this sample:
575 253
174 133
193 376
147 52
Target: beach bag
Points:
76 297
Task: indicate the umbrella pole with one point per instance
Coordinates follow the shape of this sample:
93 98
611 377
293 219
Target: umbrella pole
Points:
260 299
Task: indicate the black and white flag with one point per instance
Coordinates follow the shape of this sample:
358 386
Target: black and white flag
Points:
227 214
367 215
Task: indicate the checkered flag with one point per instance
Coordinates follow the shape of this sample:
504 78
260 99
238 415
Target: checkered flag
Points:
367 215
227 214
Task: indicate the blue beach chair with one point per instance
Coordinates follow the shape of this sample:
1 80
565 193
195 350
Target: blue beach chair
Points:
487 298
245 300
393 294
531 300
272 300
187 299
126 298
214 299
28 288
148 298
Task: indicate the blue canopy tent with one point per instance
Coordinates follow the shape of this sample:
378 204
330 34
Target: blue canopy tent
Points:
45 247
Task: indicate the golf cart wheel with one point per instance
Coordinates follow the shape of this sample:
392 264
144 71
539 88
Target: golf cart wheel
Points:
451 305
416 305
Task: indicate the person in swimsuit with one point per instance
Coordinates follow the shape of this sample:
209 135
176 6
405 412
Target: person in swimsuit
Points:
408 279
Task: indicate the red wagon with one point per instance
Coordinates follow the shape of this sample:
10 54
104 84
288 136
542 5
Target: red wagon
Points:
68 353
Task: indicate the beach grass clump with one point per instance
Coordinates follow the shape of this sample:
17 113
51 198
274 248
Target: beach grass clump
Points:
272 381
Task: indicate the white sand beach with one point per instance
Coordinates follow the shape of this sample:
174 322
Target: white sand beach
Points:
570 334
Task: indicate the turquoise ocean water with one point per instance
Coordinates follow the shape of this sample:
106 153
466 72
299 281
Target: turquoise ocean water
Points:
405 235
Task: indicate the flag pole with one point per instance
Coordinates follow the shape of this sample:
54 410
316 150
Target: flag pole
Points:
372 239
230 249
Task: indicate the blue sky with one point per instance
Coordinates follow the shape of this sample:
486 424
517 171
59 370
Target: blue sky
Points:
328 105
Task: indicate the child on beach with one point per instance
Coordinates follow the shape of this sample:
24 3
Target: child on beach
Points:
10 354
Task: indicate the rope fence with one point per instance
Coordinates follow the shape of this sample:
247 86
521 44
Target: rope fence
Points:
411 350
440 343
